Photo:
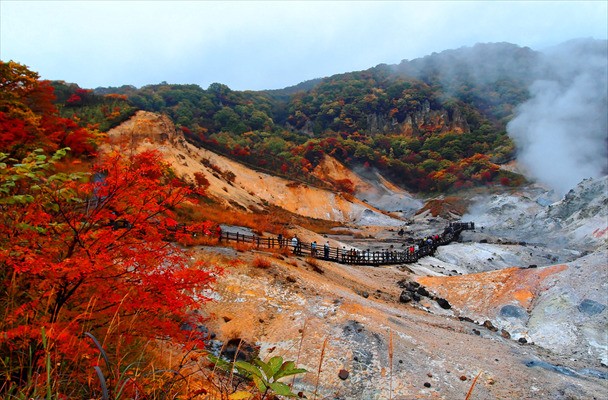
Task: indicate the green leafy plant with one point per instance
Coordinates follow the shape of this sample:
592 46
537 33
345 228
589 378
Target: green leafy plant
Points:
265 375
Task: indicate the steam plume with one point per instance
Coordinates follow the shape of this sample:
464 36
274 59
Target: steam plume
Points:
562 130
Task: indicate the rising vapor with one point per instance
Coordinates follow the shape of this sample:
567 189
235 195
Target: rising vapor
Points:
562 131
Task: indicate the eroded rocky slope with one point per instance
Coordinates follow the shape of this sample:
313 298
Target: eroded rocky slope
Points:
520 301
231 183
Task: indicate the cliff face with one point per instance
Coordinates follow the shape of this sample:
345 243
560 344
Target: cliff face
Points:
420 121
146 127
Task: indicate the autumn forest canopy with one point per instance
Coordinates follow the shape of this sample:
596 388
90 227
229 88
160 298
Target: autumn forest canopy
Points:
431 124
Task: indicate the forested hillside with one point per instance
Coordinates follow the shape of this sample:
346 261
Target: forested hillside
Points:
431 124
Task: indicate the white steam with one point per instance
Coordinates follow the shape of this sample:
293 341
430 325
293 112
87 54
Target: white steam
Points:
562 131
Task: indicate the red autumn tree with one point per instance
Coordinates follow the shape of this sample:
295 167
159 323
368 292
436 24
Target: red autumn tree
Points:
284 168
29 119
88 252
201 182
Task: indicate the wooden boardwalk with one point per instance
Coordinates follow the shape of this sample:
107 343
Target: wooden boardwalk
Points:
413 252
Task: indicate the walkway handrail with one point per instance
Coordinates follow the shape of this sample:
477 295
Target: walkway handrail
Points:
423 247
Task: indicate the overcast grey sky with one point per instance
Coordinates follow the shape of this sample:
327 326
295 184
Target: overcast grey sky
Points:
267 45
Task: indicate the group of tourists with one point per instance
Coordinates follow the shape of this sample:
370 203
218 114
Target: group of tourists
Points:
383 256
296 246
352 255
416 248
429 241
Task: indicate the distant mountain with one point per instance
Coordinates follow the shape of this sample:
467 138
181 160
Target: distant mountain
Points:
290 90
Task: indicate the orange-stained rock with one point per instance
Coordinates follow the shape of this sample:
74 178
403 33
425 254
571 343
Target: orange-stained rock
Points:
485 291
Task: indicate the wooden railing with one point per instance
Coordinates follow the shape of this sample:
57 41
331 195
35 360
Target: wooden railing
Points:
414 251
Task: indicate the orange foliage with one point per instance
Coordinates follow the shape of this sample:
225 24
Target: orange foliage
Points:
116 96
261 262
29 119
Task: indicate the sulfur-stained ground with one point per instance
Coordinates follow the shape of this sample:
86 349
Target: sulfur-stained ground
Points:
391 349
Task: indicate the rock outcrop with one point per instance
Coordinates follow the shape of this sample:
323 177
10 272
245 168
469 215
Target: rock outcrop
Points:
578 221
148 127
423 120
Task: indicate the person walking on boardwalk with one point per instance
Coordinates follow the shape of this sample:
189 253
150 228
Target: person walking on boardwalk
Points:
295 243
326 250
313 249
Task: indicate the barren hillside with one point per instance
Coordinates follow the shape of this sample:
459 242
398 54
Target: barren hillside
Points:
249 189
